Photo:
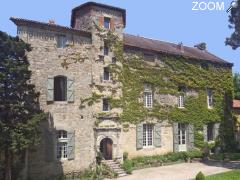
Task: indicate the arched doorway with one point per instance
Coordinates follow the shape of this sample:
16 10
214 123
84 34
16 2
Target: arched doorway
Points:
106 148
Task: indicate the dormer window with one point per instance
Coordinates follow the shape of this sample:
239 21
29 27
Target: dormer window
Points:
61 41
107 22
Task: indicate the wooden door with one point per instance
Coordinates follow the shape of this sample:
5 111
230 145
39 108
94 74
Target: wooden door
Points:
106 148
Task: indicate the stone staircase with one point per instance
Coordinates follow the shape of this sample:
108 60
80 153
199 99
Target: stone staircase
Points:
115 166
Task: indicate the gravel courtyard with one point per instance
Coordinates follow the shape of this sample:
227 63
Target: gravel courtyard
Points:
183 171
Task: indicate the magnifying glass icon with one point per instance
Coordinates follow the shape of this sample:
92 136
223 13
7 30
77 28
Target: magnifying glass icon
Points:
233 4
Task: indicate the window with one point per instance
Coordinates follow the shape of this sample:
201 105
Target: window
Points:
61 41
107 22
209 98
106 49
181 134
210 128
147 135
106 105
62 144
60 88
106 74
181 90
114 60
148 95
148 100
181 101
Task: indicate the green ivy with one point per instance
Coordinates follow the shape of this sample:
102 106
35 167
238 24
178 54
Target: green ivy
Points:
166 75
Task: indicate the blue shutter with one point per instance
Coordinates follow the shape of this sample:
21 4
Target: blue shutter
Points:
50 89
70 90
175 137
157 135
190 137
139 136
71 145
205 133
216 130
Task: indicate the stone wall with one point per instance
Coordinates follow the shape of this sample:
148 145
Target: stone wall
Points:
128 142
45 60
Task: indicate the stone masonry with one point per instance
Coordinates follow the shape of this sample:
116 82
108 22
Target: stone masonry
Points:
80 61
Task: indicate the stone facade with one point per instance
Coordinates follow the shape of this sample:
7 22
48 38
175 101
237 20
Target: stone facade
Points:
80 61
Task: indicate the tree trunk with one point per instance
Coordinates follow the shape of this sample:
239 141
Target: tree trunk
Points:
7 173
25 169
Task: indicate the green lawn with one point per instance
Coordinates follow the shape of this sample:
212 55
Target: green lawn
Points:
231 175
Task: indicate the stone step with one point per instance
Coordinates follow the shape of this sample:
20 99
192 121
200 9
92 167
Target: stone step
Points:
121 175
115 166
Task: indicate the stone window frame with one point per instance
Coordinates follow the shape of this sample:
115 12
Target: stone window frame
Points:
62 145
148 135
148 95
210 132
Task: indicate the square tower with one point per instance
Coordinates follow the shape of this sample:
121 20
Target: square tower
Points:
85 16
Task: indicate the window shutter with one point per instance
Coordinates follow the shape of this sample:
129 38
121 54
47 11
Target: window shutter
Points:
157 135
70 90
139 136
50 89
205 133
111 23
71 145
50 146
175 137
216 130
101 21
190 137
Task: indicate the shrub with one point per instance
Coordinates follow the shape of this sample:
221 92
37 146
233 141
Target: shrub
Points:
194 154
127 166
125 156
200 176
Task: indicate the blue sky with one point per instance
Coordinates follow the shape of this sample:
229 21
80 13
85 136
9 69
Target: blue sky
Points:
173 21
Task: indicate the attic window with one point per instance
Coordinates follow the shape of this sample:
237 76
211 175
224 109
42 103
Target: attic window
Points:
107 22
61 41
149 57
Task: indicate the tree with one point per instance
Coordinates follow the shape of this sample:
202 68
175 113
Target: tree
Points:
234 20
236 85
20 114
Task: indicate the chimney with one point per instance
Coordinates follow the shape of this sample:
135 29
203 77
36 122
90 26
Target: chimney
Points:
201 46
51 21
180 46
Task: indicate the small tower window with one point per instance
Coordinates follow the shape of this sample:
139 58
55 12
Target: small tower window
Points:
106 74
106 105
106 49
107 22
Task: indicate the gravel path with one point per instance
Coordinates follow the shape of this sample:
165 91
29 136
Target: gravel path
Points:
183 171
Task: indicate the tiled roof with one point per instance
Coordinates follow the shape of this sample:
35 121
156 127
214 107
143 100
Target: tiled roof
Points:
236 103
87 4
171 48
48 26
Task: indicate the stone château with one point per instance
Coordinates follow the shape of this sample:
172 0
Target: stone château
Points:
68 66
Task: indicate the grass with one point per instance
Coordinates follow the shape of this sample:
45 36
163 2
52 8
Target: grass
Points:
231 175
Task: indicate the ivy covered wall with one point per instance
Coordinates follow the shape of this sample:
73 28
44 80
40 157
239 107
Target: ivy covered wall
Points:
166 73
